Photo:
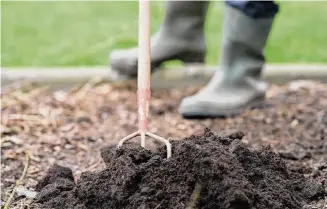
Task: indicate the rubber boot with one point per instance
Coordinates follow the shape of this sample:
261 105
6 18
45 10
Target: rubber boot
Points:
180 37
238 83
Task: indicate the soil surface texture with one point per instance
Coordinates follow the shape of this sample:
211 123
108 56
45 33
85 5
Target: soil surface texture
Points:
205 171
70 127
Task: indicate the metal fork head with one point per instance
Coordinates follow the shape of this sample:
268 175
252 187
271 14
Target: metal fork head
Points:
143 134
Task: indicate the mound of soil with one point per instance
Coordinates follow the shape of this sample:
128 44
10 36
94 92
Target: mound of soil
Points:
205 171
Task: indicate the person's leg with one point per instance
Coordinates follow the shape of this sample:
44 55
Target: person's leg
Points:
181 37
238 83
255 9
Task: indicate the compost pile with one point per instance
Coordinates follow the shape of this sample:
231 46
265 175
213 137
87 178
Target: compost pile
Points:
205 171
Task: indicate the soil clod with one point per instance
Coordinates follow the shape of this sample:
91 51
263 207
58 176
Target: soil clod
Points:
208 171
54 173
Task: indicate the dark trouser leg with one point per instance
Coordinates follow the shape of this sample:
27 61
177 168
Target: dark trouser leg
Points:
255 9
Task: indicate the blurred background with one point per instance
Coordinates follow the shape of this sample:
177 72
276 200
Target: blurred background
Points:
40 33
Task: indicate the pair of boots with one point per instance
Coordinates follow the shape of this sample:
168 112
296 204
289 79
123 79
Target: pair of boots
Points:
236 85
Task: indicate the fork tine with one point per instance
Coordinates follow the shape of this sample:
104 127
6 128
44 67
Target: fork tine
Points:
129 137
159 138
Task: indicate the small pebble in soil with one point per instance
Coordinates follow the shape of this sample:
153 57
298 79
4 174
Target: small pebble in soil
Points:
227 174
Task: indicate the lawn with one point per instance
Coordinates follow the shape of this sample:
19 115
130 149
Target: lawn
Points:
83 33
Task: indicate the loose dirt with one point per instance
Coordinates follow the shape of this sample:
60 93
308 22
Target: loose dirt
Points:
206 171
70 127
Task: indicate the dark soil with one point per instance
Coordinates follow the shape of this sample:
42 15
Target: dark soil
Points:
207 170
70 127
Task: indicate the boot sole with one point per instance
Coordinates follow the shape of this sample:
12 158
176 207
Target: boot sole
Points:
187 58
116 74
207 111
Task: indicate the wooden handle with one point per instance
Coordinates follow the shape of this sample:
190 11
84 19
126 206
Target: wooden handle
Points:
144 68
144 45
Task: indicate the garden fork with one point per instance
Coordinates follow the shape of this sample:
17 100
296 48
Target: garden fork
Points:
143 79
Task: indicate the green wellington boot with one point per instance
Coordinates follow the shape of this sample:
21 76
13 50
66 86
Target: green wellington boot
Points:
238 83
180 37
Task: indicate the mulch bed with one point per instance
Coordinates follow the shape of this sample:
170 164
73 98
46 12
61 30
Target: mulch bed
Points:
70 127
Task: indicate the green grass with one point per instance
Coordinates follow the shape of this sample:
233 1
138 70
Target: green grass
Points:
83 33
